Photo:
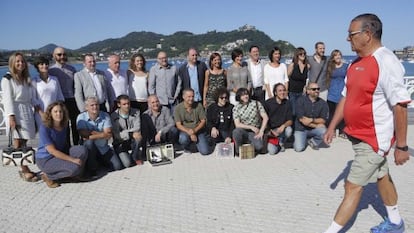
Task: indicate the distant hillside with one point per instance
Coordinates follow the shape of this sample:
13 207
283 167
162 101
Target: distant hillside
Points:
177 44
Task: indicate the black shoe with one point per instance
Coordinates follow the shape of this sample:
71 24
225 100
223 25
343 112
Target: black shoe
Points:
312 144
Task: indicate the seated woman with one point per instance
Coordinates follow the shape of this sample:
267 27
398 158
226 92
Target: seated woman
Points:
54 158
220 117
250 120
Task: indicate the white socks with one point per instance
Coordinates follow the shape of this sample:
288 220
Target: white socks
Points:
393 214
334 228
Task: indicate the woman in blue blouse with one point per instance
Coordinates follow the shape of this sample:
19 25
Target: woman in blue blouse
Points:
54 158
335 82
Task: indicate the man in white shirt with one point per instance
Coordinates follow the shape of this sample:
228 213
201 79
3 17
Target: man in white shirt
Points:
256 66
117 79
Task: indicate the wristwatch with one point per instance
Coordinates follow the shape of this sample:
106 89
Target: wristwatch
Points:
403 148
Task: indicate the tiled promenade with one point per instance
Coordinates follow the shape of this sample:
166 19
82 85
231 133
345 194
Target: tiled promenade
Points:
287 193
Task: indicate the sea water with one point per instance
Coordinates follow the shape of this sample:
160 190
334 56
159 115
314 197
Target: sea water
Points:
409 67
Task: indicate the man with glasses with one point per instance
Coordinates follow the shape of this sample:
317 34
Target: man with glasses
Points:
65 74
311 114
374 106
318 68
220 117
164 82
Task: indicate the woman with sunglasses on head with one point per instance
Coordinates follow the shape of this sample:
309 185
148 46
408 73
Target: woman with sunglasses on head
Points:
18 105
220 117
297 73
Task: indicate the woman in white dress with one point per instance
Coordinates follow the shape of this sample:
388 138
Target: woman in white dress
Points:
138 82
274 72
17 99
47 88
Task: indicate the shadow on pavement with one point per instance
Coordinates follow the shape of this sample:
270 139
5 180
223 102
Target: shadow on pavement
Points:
370 196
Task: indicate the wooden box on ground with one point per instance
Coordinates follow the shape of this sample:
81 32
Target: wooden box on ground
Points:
246 151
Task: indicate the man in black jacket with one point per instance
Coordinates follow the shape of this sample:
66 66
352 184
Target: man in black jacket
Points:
192 74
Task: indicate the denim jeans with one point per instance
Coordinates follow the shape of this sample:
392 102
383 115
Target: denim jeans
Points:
202 142
241 136
293 97
274 149
301 138
110 159
223 134
127 157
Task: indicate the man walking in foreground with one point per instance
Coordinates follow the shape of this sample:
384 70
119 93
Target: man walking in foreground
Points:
374 106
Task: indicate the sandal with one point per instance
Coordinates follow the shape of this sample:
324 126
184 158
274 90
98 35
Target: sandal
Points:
50 183
28 176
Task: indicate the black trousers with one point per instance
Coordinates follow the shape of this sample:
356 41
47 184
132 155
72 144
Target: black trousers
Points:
258 94
73 110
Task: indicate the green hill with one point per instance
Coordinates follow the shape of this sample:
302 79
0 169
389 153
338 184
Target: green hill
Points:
176 45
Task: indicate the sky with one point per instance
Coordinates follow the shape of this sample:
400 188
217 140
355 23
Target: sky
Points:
29 24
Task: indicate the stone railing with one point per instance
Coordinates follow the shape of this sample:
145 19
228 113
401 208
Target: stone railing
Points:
408 80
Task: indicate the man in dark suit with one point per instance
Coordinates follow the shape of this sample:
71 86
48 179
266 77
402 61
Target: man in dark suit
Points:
192 74
91 82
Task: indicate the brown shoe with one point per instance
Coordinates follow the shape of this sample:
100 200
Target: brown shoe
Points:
50 183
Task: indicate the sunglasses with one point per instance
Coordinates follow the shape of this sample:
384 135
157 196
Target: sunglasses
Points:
60 54
315 88
223 97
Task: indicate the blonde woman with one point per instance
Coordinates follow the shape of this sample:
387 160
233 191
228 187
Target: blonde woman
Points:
18 95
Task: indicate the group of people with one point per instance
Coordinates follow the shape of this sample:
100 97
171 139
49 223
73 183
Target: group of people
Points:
195 106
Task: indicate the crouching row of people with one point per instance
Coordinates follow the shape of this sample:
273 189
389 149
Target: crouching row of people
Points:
271 124
191 128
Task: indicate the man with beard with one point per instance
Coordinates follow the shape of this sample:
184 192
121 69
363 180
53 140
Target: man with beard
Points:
65 74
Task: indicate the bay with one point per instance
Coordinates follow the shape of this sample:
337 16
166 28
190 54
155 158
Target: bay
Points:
409 67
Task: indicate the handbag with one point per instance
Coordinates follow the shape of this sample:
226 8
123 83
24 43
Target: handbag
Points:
160 154
18 157
225 150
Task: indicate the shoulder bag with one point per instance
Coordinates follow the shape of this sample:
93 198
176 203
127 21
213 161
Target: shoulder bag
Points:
17 157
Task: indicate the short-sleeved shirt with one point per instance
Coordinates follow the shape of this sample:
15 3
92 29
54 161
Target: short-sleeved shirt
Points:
51 136
189 119
374 84
305 107
103 121
337 83
249 114
278 113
